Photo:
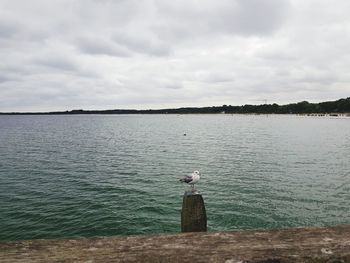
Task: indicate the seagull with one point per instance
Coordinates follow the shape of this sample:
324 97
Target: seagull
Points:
191 179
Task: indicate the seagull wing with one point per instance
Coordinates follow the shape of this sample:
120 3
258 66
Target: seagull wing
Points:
187 179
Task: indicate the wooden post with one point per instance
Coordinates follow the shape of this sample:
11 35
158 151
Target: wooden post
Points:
193 215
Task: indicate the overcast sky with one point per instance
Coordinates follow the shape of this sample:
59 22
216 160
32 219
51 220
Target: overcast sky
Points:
108 54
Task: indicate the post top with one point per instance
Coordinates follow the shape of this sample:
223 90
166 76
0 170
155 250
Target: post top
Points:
190 192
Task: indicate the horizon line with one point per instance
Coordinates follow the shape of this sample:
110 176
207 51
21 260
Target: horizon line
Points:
76 111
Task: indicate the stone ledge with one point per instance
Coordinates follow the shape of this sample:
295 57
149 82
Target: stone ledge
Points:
326 244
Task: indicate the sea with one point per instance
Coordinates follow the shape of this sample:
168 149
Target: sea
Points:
72 176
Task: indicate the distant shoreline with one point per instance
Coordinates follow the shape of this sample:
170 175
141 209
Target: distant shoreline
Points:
335 115
329 108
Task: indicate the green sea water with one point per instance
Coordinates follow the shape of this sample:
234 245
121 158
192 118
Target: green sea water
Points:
85 175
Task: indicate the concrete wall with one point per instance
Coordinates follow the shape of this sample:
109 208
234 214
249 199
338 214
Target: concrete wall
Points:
329 244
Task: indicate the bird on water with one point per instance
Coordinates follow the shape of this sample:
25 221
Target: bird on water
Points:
191 179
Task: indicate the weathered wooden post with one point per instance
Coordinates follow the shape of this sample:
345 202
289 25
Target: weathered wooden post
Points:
193 215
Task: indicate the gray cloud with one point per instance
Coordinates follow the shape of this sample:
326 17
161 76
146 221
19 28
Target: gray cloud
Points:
187 19
148 44
58 55
4 78
7 29
255 17
57 63
97 46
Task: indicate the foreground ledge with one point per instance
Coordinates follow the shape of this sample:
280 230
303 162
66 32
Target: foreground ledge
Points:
327 244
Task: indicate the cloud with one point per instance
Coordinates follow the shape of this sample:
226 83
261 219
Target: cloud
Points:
56 63
7 29
97 46
4 78
189 19
58 55
143 43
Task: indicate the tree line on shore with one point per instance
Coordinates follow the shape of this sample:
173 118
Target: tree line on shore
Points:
304 107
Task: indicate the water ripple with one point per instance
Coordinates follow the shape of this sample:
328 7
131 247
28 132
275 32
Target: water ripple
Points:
75 176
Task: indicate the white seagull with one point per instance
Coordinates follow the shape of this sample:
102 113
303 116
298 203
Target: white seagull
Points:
191 179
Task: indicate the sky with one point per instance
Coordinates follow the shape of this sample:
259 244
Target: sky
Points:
143 54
